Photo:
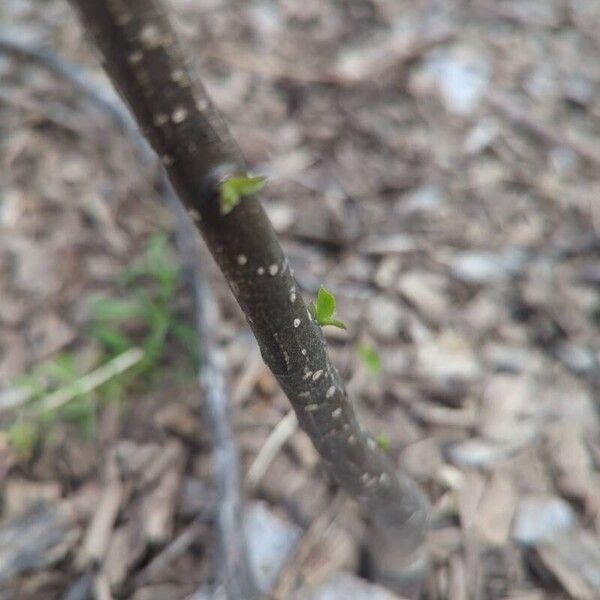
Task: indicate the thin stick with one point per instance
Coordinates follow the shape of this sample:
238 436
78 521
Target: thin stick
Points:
144 61
311 538
98 96
235 572
170 553
281 433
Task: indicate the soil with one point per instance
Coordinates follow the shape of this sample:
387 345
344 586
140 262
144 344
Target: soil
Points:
436 165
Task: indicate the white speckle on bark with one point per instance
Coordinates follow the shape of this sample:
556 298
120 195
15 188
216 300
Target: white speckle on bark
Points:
337 413
160 119
330 391
135 57
311 407
317 374
273 270
365 478
352 439
304 394
260 271
167 160
241 259
309 315
307 375
303 351
371 443
178 76
384 479
202 104
293 296
150 37
297 323
179 115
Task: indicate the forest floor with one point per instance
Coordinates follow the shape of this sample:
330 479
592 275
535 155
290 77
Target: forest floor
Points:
436 164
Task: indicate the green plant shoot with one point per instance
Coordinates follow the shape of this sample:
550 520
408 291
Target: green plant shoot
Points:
370 358
384 442
142 317
324 309
232 190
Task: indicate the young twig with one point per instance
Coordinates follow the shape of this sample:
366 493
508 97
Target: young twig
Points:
279 436
144 61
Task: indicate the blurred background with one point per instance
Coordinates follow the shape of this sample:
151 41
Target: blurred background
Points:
436 164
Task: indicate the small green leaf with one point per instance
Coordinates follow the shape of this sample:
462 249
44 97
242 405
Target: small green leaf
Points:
384 442
324 309
370 357
325 306
229 197
115 341
235 188
107 310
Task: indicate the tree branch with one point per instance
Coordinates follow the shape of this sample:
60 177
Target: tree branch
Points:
145 63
